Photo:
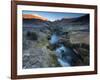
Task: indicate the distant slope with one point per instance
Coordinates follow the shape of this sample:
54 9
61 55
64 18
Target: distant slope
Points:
79 23
84 18
81 19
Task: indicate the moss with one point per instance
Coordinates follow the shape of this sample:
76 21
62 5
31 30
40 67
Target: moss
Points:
54 61
42 42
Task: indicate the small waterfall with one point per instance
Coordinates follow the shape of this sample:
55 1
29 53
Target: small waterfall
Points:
63 55
54 39
63 63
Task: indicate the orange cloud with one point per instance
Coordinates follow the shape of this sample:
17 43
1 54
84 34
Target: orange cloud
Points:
35 16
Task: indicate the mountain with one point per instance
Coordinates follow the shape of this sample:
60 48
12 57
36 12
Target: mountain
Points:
81 19
79 23
84 18
35 16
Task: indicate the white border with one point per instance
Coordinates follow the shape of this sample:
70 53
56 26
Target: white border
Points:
21 71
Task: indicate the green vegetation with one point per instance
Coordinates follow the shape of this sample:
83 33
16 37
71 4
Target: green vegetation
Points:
54 60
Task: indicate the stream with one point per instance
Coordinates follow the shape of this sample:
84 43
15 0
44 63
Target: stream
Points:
65 55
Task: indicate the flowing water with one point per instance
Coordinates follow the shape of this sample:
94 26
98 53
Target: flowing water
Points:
65 55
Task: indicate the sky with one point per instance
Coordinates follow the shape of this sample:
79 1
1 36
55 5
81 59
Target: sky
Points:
52 16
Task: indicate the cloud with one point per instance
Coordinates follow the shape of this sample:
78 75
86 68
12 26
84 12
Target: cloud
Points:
33 16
